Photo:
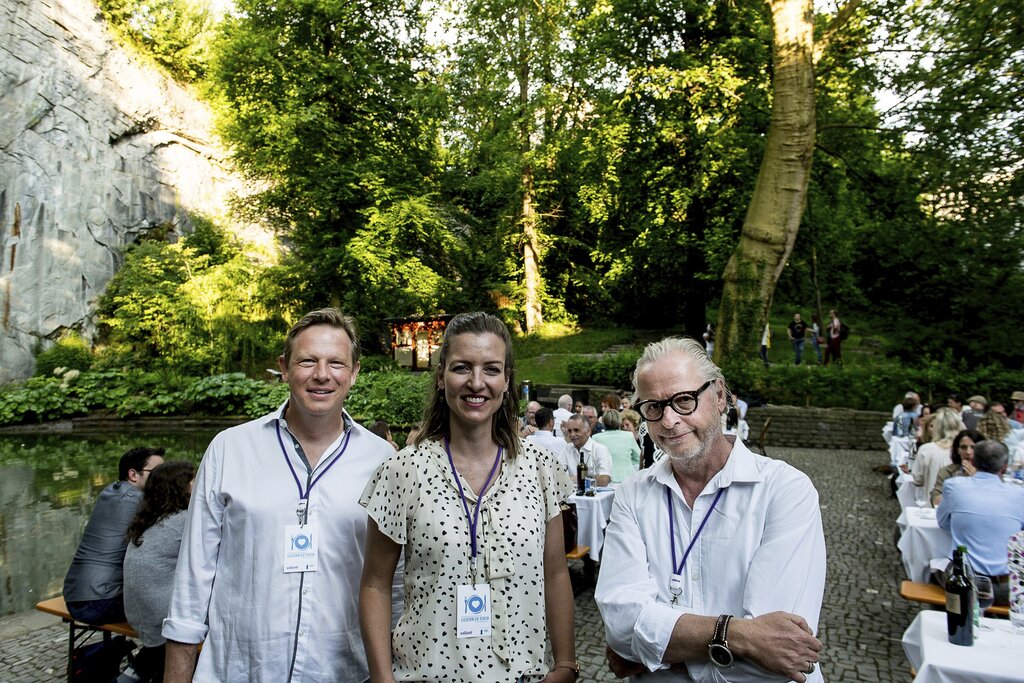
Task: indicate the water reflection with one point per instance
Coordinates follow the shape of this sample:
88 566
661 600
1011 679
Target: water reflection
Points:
47 487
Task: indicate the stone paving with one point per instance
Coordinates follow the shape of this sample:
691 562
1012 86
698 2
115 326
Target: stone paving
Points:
862 620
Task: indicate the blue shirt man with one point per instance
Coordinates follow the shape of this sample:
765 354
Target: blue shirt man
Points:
981 512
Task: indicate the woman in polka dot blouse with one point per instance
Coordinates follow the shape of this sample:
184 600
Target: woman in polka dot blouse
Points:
476 511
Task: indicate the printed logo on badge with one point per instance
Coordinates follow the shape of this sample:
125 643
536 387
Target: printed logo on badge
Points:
300 548
473 607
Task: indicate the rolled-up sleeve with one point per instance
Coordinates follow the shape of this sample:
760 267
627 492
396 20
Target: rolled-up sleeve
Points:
197 560
637 627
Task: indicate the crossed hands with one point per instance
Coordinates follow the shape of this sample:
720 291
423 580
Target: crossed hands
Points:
779 642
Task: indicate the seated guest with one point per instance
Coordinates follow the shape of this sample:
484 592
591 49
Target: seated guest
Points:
582 446
631 423
545 434
976 407
962 455
590 412
610 402
935 455
382 429
734 425
982 513
624 449
528 423
93 585
996 427
153 542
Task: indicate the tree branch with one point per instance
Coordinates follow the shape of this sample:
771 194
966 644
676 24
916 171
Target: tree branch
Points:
838 21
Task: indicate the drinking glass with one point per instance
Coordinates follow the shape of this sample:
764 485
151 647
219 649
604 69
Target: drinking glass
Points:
921 497
1017 612
986 596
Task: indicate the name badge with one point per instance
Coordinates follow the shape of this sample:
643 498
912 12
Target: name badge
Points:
473 610
300 548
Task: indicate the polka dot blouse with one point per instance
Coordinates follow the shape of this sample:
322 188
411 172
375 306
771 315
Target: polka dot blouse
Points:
415 502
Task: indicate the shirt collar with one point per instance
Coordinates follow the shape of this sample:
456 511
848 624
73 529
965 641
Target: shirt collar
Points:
277 416
741 468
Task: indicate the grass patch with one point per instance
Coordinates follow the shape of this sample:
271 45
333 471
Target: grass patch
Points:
561 339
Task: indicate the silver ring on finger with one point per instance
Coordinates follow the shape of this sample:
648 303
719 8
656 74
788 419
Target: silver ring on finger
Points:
810 668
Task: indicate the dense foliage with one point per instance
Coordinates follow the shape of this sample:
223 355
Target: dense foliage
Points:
407 172
394 396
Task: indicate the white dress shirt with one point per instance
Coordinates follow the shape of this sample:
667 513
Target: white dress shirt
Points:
763 550
548 440
596 455
561 415
230 572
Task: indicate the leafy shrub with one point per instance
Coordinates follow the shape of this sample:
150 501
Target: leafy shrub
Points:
38 399
224 395
266 399
397 397
72 352
609 370
378 364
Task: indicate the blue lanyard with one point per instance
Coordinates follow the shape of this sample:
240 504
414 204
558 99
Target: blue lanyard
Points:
304 497
472 520
672 529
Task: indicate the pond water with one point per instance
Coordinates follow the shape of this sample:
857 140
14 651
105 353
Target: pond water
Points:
48 484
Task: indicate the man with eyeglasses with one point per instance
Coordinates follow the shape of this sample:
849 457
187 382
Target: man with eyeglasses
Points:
714 558
93 586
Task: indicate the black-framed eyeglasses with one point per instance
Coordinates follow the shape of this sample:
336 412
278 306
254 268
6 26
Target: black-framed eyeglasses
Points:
684 403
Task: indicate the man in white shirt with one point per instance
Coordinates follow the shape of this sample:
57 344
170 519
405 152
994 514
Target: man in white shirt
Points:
270 562
545 436
714 558
595 455
562 412
528 425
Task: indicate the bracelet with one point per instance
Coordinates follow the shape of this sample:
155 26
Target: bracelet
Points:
573 666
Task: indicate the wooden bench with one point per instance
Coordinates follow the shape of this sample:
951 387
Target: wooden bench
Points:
578 553
930 594
77 629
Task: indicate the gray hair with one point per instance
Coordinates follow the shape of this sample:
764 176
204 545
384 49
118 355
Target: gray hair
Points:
991 456
565 402
687 346
612 419
576 417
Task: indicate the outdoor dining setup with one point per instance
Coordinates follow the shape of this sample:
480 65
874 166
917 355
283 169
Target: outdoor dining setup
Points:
960 544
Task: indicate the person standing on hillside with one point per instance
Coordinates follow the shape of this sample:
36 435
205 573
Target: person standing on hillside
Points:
833 338
795 331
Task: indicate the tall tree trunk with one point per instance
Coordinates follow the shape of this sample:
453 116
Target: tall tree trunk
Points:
780 192
531 246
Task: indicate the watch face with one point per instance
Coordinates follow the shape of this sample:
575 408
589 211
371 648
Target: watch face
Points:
719 655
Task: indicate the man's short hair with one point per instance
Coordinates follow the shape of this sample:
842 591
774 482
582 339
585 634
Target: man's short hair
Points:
331 317
135 459
588 411
544 418
991 456
612 419
565 402
685 345
576 417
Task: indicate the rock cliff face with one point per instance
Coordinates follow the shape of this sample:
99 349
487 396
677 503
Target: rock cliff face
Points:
95 149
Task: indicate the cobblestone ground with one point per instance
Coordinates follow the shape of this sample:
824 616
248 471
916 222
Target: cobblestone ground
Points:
862 620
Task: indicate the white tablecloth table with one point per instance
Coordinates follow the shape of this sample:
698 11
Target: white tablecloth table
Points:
905 490
592 513
997 656
921 541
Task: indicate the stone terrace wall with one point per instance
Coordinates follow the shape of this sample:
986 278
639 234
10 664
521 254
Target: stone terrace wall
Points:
795 427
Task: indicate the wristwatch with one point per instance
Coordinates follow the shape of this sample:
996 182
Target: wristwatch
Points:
718 649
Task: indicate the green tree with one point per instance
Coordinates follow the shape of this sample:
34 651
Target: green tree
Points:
325 107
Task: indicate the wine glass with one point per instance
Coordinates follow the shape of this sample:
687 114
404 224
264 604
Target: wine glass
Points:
986 596
921 497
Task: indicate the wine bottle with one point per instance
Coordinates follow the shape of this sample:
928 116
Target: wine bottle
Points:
959 601
581 476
